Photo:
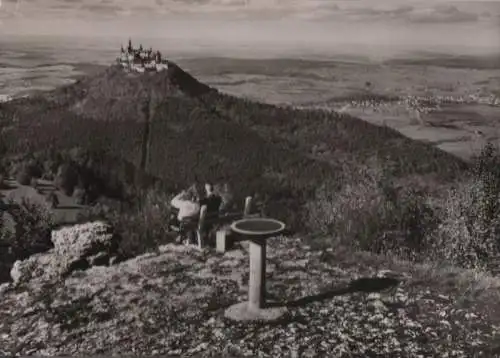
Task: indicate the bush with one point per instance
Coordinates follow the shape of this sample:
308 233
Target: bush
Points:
415 219
6 257
142 227
35 168
66 178
80 196
370 213
33 224
225 192
335 202
33 182
27 169
23 175
5 232
52 200
470 232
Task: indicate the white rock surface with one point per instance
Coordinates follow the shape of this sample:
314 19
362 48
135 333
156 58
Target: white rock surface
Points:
76 247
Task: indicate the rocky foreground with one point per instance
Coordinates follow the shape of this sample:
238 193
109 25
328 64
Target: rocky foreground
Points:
172 302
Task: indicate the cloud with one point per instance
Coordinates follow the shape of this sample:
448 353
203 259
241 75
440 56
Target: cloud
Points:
103 8
411 11
241 7
415 12
9 8
443 14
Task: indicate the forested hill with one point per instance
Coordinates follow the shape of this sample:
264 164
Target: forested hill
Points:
115 94
181 130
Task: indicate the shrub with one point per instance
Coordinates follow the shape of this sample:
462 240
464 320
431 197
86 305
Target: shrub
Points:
49 169
142 227
5 231
52 200
23 175
27 169
469 233
34 182
6 257
80 196
225 192
335 202
67 178
370 213
33 223
415 219
35 168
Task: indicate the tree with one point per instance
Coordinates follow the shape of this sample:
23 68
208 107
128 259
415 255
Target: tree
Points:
23 175
34 183
33 225
53 200
80 196
3 147
66 178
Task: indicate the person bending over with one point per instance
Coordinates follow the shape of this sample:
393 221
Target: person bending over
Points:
187 203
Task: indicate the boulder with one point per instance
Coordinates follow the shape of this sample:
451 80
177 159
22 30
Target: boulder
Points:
75 248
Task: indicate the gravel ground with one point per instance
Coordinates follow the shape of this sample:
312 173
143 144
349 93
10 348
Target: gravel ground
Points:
172 302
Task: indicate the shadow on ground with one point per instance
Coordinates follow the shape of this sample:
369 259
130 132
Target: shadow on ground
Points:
364 284
69 207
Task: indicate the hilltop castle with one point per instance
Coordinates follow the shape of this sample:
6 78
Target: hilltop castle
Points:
141 60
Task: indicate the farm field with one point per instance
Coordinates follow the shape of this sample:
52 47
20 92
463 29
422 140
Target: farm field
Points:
349 86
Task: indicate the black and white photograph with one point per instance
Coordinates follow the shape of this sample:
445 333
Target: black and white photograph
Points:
250 178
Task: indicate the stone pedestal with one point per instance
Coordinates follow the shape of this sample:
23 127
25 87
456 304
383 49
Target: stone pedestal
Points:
256 309
257 279
242 312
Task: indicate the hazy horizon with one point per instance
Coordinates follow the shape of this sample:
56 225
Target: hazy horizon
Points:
263 28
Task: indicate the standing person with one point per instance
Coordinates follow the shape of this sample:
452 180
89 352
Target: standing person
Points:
213 203
188 204
212 200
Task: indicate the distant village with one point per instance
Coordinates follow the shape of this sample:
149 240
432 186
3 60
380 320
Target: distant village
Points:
141 60
5 98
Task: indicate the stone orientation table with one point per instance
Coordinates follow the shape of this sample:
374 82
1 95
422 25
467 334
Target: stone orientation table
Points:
257 231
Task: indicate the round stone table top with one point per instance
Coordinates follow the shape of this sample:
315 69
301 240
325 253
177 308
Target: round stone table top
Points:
257 227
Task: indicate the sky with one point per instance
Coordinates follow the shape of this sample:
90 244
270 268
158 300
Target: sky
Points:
460 26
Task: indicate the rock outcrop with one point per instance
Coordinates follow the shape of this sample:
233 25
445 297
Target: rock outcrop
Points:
77 247
172 302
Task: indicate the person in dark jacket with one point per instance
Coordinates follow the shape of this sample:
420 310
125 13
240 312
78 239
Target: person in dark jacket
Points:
211 200
213 203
